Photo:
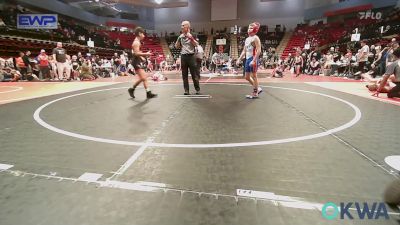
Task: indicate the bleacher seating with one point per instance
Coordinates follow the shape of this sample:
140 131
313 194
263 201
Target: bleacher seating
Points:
126 39
321 34
11 45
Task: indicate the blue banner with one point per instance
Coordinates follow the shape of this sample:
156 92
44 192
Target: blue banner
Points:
37 21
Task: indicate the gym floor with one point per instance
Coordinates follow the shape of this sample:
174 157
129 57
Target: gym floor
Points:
86 153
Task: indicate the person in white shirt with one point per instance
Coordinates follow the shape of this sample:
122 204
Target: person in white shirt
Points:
214 61
122 67
2 24
363 56
199 58
68 68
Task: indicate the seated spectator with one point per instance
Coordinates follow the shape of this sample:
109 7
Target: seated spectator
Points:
106 69
150 66
34 65
9 75
278 71
10 63
314 68
32 77
2 24
2 63
130 69
86 73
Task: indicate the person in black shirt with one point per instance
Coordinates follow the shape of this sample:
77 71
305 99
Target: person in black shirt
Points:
26 60
60 55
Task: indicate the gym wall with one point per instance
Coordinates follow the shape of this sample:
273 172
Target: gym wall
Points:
199 14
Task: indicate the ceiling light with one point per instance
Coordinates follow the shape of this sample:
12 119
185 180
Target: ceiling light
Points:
159 1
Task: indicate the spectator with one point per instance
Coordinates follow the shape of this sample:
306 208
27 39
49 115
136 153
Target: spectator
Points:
2 63
9 75
363 57
390 57
107 68
86 74
178 64
53 67
2 24
214 62
314 67
60 55
44 65
122 67
21 66
68 69
26 60
298 60
116 63
199 57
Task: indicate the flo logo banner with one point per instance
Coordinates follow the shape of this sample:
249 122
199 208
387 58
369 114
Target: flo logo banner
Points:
351 210
37 21
370 15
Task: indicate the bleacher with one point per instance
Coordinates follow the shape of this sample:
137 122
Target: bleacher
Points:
321 34
339 33
267 39
11 45
126 39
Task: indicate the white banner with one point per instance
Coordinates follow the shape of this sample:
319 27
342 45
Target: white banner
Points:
355 37
221 41
90 44
37 21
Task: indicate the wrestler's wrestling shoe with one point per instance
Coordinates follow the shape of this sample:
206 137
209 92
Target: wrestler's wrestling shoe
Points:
253 95
131 92
259 90
151 95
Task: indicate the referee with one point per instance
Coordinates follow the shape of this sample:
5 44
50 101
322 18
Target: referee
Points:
187 44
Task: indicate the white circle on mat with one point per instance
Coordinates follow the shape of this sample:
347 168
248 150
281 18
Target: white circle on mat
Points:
393 161
354 120
15 88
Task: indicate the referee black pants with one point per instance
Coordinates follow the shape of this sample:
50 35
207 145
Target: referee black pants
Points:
188 62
